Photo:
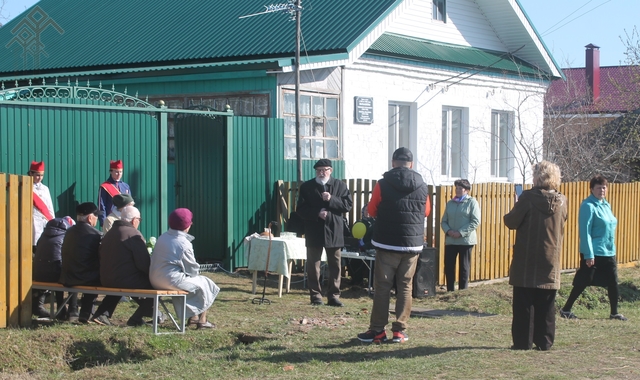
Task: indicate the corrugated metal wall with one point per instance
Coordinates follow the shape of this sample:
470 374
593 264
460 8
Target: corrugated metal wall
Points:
257 160
76 145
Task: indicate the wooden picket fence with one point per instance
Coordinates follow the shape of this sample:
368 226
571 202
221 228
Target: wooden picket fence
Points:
491 258
16 204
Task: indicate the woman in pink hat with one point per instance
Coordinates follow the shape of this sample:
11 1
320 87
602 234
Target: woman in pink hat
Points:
174 266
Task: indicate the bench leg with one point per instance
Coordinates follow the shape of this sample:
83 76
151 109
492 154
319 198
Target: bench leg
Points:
289 278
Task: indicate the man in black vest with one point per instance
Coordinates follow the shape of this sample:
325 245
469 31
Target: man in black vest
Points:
321 203
399 203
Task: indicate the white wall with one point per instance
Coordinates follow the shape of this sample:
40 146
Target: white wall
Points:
465 25
365 146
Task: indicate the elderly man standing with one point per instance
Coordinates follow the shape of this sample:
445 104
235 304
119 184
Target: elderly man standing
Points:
399 203
42 204
124 261
321 203
81 263
110 188
120 201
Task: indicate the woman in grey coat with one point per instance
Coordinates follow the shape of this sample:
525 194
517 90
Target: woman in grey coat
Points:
174 266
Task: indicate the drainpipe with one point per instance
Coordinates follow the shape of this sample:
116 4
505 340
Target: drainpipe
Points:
593 70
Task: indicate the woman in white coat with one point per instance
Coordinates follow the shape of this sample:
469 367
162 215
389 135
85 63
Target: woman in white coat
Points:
174 266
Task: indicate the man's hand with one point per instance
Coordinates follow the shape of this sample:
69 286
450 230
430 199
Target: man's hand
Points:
326 196
323 214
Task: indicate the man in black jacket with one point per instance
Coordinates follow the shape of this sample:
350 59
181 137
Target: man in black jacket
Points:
321 203
81 264
399 203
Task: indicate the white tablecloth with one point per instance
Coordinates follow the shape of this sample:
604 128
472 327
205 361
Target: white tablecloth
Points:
282 251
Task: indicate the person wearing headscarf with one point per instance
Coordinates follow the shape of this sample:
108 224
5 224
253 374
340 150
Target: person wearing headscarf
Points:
174 267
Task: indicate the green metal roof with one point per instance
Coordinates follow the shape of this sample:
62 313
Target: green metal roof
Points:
85 35
420 50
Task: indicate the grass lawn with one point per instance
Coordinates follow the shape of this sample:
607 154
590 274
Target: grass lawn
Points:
291 339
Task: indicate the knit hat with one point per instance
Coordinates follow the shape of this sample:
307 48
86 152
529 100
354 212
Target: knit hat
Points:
37 166
116 165
122 200
180 219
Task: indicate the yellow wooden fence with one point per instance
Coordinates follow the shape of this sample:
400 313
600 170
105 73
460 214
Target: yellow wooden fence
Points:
16 204
491 258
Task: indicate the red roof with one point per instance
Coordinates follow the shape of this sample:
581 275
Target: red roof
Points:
619 91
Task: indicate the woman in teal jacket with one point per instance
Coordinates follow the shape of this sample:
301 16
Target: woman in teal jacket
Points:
459 222
598 265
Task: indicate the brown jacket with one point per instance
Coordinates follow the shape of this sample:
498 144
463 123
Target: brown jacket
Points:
538 218
124 259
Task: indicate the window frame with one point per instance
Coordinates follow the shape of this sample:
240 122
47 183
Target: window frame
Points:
500 155
401 135
448 148
311 121
439 10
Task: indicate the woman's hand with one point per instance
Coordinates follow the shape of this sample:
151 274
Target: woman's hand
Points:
590 262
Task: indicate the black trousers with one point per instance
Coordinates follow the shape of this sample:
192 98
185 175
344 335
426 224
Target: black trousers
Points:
451 253
534 318
107 307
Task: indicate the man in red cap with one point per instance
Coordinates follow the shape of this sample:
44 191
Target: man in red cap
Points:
42 204
110 188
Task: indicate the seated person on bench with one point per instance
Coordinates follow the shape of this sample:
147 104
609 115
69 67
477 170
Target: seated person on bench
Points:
80 264
124 262
174 266
47 266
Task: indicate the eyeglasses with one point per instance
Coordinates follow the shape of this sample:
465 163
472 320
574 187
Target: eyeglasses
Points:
140 219
323 170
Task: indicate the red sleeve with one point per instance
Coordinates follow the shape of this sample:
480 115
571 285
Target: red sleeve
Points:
427 206
372 207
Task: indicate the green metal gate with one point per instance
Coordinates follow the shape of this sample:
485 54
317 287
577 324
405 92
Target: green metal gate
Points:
76 131
200 170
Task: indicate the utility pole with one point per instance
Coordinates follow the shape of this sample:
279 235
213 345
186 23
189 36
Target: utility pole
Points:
295 13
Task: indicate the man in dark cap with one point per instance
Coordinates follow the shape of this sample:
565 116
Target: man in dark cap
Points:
321 203
81 263
120 201
399 203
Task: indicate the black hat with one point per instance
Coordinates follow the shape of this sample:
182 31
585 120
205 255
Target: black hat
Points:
402 154
121 200
87 208
322 163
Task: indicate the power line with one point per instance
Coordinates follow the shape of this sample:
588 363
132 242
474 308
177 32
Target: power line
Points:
575 18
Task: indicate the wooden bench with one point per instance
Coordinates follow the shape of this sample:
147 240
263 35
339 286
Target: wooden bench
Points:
155 294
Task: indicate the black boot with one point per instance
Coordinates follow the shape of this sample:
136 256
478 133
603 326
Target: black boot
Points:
39 299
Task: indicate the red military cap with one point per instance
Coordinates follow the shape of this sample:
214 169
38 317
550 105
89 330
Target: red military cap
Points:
116 165
37 166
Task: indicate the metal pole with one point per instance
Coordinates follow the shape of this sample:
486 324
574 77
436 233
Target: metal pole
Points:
298 143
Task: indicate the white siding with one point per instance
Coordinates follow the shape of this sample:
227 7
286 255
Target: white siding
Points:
365 146
466 25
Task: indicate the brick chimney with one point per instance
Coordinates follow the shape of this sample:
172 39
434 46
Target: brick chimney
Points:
593 70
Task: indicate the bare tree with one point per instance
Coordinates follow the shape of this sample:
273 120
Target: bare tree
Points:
586 137
3 17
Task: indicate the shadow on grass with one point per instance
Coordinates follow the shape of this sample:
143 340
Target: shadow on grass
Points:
405 350
93 353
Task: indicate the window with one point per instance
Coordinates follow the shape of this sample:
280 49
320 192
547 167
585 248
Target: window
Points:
399 123
500 142
319 121
439 10
453 142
